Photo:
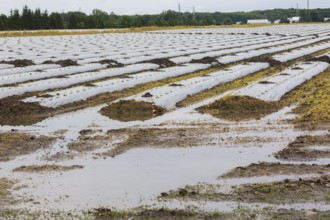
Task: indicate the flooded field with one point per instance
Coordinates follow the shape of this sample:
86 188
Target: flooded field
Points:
190 124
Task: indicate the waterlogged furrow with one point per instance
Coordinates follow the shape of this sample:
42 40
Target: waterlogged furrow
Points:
274 87
80 93
167 96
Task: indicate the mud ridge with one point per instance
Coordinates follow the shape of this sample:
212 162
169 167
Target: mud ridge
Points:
111 63
19 63
14 144
130 110
207 60
63 63
239 108
16 112
163 62
269 169
298 150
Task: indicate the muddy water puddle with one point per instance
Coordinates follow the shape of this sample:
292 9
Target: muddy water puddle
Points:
134 178
138 176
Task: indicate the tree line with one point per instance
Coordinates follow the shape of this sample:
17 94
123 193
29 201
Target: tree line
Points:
28 19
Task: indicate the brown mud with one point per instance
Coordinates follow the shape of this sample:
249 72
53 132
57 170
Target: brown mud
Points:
86 143
192 213
153 214
321 58
14 144
298 149
111 63
5 195
239 108
280 192
63 63
207 60
15 112
126 110
270 61
168 138
46 168
270 169
162 62
19 63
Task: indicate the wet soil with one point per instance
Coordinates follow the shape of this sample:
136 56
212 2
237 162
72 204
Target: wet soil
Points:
86 143
163 62
153 137
19 63
46 168
298 191
127 110
147 95
15 112
111 63
243 213
166 214
267 59
63 63
14 144
270 169
321 58
298 149
119 141
281 192
207 60
5 196
239 108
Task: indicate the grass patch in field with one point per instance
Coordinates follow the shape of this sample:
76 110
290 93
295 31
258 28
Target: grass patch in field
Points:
313 98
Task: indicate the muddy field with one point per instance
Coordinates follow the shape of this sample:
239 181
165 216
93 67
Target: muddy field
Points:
193 124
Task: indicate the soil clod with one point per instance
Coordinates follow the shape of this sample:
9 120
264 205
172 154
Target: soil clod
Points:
111 63
63 63
207 60
163 62
15 112
147 95
19 63
127 110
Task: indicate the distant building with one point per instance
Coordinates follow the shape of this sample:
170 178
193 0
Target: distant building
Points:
238 22
326 19
258 21
277 21
294 19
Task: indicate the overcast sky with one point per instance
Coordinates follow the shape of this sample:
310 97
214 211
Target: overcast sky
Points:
157 6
